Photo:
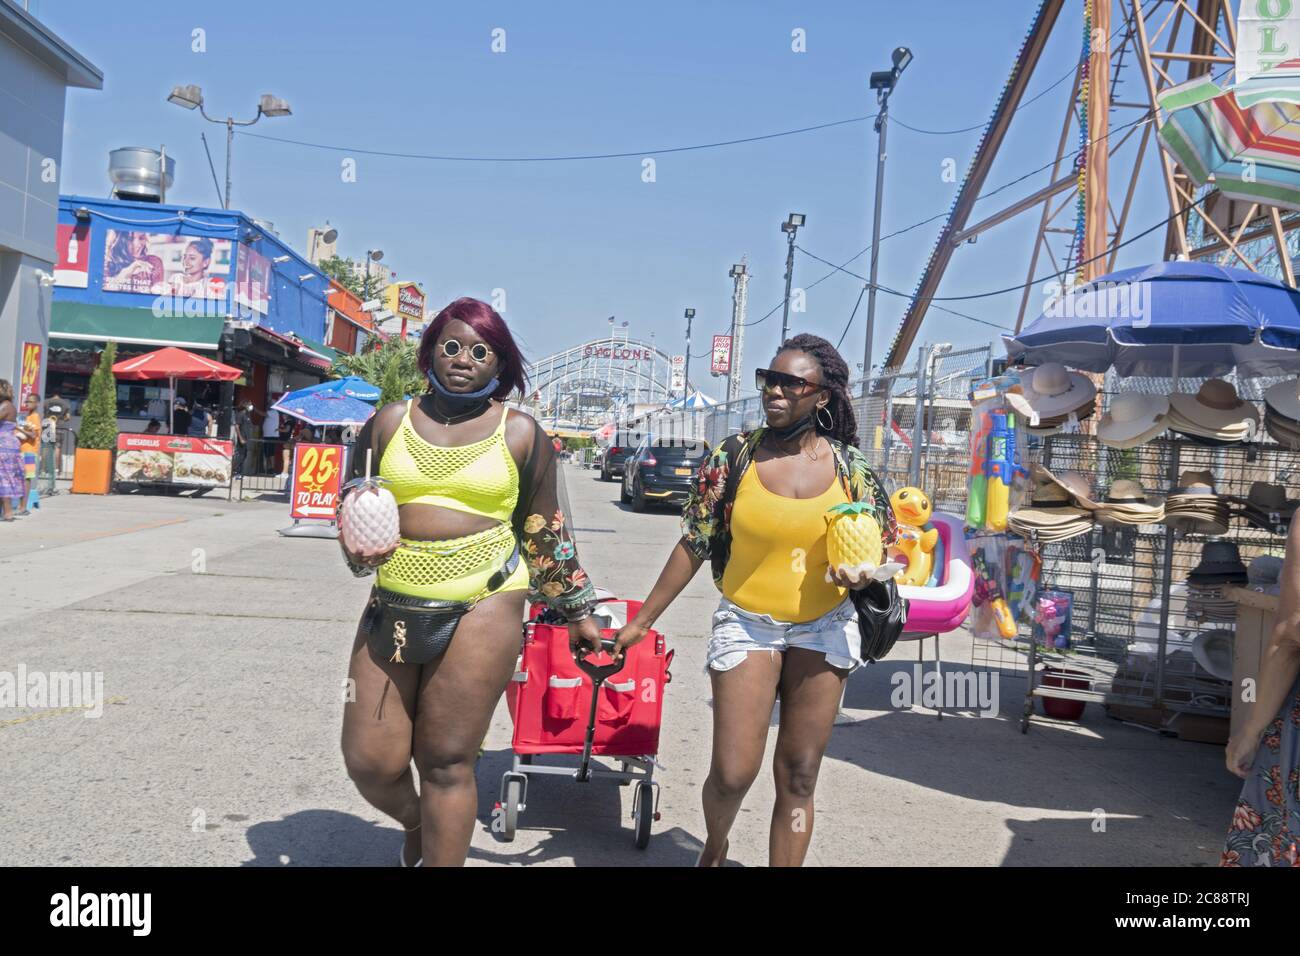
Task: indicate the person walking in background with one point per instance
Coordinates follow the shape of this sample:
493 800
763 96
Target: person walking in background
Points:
243 434
30 445
271 439
1265 828
49 452
12 484
782 627
181 418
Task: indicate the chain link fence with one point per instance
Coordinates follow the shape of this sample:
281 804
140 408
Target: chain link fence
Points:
889 431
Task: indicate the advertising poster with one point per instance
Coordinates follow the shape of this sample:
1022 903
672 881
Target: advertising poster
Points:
253 281
172 460
154 263
73 248
721 354
317 471
29 377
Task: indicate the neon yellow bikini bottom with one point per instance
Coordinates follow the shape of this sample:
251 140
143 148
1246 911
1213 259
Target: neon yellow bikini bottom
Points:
454 570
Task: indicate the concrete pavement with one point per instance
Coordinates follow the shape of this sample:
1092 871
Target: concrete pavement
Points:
223 646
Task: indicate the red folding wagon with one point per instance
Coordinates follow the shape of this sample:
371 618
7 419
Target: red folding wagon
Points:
589 705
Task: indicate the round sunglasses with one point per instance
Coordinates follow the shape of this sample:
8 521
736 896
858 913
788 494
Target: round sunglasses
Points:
478 351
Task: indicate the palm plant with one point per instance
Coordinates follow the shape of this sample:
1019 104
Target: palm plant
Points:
389 365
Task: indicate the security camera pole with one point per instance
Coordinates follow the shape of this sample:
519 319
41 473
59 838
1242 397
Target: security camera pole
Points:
883 82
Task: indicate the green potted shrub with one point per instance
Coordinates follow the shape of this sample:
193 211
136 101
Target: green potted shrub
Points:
92 470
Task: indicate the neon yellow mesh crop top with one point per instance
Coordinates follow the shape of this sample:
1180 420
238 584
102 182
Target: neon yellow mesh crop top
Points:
479 479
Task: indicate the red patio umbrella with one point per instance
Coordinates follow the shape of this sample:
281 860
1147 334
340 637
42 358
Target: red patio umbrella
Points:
172 363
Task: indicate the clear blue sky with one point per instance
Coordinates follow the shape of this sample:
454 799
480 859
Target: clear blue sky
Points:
575 242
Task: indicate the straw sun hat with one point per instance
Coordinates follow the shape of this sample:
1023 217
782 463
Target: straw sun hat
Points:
1126 503
1133 419
1054 513
1215 412
1195 507
1282 413
1050 394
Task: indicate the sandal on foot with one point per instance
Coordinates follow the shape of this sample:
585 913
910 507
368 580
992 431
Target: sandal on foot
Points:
401 853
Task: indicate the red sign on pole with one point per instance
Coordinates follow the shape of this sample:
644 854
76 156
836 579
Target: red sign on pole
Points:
317 470
721 354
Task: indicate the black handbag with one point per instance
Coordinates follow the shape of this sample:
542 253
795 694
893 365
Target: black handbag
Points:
882 612
411 630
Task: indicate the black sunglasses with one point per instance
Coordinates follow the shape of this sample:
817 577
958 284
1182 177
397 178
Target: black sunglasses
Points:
791 386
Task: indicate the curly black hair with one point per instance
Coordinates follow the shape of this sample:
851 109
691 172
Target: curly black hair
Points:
844 423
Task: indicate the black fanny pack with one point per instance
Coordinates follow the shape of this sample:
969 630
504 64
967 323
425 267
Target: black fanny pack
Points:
882 612
412 630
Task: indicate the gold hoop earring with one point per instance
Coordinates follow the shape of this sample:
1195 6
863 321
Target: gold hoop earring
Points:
826 425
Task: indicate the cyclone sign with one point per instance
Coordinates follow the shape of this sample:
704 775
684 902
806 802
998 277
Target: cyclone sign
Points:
616 353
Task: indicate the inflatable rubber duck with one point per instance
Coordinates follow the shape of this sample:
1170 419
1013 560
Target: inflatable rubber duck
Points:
915 543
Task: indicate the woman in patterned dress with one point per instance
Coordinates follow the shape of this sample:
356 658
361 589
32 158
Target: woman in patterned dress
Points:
1265 829
12 483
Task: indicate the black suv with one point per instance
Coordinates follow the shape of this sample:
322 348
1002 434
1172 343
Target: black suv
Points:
661 470
619 451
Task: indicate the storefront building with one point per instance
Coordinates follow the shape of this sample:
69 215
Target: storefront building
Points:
36 70
149 274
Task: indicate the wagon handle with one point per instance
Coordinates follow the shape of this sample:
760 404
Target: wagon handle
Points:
598 672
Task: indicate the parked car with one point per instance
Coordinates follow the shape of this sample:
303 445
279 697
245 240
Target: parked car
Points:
622 446
661 469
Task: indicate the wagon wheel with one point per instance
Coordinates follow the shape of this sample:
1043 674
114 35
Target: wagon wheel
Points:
643 813
514 796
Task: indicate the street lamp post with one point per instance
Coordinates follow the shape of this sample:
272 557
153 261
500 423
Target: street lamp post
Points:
372 255
883 82
789 227
191 97
686 373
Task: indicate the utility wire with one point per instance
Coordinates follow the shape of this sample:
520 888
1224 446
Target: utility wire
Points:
1015 288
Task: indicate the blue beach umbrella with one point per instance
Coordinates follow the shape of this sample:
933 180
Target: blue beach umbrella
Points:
1184 319
318 409
352 386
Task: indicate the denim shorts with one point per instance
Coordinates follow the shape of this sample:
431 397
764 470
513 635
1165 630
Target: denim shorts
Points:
736 632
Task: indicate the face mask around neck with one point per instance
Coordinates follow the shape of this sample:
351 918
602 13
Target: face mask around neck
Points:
462 401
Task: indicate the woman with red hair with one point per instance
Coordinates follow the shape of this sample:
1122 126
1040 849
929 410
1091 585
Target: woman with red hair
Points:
482 525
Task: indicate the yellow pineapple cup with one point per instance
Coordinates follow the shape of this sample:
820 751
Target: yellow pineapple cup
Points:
853 545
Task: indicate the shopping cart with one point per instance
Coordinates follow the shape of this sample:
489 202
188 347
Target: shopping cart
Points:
622 701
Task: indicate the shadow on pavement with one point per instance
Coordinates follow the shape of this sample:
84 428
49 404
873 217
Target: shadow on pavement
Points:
1145 789
583 822
323 838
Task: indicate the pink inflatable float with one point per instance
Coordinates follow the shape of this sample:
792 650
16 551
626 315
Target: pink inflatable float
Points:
941 607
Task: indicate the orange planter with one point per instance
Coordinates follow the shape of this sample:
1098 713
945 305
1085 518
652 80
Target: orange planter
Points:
92 472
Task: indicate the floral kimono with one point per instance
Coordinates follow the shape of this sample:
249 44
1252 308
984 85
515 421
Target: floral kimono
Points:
1265 829
545 537
706 516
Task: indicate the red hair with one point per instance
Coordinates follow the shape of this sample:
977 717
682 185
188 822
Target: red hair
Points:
492 329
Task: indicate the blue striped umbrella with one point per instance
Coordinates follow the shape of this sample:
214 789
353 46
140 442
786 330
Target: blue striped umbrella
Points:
1246 138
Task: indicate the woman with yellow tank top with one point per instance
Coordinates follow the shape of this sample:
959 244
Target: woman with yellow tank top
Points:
757 513
481 521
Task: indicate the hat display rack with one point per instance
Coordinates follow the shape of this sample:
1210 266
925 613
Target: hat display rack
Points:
1146 515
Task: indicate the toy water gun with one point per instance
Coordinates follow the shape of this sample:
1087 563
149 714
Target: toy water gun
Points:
978 492
1001 468
988 589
